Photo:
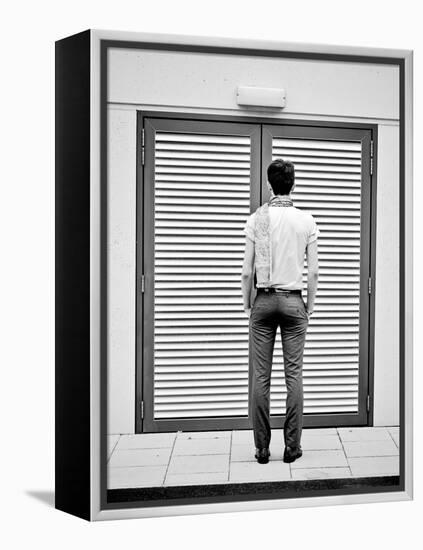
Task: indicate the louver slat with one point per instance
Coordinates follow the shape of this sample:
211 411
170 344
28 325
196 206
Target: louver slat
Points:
328 185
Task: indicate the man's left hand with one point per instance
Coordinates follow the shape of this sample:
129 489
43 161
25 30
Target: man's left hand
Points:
248 312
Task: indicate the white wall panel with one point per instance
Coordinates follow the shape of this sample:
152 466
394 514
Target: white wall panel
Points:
121 276
209 81
386 391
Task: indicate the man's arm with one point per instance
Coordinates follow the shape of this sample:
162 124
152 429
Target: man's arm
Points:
312 274
247 273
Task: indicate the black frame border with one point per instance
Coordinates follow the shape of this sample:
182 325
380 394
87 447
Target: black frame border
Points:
72 275
343 487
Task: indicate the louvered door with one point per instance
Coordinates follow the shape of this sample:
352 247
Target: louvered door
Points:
332 183
199 183
202 183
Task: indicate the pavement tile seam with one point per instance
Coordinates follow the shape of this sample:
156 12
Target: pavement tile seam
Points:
113 450
170 460
393 438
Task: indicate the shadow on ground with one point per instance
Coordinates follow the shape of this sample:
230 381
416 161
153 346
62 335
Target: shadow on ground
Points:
46 497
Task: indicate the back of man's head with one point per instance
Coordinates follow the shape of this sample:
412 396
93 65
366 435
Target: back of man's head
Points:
281 176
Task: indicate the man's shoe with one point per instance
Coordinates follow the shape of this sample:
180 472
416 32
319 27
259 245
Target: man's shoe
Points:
262 455
291 454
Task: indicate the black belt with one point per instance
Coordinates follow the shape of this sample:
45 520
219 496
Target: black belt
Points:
279 290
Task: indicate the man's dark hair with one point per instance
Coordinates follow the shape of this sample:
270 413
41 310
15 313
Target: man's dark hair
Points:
281 176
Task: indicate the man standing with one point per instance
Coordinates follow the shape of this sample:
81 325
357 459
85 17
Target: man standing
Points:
278 237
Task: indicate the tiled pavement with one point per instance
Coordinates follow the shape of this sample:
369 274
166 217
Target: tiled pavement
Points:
195 458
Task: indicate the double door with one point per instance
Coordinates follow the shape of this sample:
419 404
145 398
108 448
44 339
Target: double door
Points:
198 182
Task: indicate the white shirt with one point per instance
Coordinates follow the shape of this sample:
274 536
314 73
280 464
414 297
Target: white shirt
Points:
292 230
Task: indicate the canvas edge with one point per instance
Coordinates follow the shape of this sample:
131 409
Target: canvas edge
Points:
244 43
408 268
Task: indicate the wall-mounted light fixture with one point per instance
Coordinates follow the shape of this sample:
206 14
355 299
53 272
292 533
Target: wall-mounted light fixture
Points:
260 97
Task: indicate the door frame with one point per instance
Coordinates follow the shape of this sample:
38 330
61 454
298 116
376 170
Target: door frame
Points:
144 423
365 137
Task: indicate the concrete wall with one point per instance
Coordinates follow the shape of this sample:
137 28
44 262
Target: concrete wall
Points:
209 81
206 83
121 271
386 369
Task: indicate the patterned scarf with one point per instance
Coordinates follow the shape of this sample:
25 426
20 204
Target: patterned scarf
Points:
263 248
279 200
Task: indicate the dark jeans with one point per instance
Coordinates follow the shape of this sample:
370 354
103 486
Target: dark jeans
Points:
288 312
